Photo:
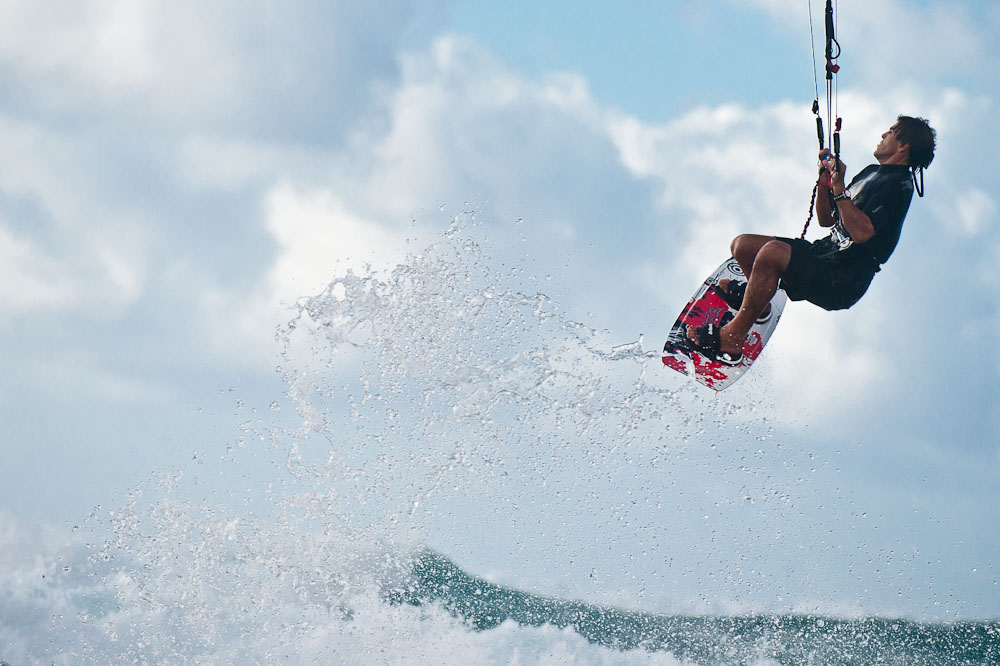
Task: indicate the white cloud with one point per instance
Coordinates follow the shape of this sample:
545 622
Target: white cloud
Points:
30 279
461 129
292 69
318 237
461 126
74 373
213 163
102 44
974 209
73 249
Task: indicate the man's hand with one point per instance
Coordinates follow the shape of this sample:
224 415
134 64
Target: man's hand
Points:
858 225
834 175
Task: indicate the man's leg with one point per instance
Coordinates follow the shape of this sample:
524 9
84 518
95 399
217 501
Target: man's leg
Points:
770 260
745 248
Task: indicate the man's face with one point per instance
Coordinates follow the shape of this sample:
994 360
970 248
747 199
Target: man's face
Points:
888 146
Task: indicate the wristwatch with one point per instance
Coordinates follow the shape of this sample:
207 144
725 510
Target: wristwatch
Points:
840 197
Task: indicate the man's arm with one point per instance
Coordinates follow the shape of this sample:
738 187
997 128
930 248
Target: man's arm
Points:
823 208
858 225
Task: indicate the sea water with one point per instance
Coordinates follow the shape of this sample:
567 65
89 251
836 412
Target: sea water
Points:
445 412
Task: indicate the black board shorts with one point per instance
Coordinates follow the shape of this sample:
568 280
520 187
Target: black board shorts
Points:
823 278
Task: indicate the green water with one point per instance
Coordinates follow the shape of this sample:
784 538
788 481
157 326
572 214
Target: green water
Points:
709 640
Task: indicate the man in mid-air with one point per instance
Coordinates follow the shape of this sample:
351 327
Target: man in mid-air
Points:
833 272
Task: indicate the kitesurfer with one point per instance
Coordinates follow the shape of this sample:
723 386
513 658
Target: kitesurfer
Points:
833 272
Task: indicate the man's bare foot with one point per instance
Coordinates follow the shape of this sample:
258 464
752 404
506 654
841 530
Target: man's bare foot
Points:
724 284
711 340
730 342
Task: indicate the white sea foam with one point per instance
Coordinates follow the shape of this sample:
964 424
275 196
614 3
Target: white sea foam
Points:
207 588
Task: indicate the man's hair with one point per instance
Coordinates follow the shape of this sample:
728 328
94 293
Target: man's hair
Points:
921 138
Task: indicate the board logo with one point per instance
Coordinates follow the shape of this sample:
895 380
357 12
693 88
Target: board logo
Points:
716 314
734 266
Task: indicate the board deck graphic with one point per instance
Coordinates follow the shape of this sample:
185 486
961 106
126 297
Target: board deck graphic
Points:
708 305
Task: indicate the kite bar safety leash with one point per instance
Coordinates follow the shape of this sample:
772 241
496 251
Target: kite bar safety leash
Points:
913 174
832 52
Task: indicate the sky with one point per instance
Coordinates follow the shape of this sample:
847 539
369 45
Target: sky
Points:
174 178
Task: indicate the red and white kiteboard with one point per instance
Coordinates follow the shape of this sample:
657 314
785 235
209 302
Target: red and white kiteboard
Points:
707 304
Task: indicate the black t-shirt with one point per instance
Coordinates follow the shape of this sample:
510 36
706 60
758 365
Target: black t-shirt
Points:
883 193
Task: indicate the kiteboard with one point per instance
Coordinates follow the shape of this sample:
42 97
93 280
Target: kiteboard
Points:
706 305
